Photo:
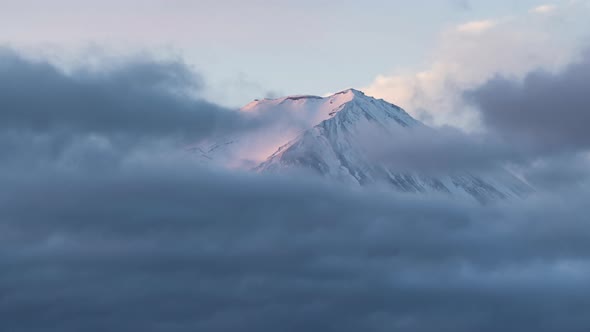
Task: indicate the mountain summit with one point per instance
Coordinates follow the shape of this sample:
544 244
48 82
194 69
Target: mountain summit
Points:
309 109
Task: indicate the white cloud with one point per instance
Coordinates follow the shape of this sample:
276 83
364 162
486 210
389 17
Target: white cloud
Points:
470 54
544 9
476 26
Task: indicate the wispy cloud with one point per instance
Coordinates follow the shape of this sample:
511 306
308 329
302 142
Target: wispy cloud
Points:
476 26
544 9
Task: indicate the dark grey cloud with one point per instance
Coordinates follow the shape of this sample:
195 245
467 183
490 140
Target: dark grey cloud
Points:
442 150
547 111
560 172
104 228
447 150
138 99
175 248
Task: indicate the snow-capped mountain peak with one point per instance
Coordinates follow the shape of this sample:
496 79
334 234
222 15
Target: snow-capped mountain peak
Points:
331 136
332 146
314 109
337 147
336 99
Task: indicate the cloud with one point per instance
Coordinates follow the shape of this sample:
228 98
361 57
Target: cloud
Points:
548 109
132 236
441 151
139 99
476 26
92 114
470 54
544 9
174 248
561 172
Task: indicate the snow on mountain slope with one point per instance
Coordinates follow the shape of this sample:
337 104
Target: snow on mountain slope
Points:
332 147
307 110
336 148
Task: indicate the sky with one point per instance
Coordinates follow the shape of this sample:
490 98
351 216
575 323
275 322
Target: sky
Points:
252 49
108 224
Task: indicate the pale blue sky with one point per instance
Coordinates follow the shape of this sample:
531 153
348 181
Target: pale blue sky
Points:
248 48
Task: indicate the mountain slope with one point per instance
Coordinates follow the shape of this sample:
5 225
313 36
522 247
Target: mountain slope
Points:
337 148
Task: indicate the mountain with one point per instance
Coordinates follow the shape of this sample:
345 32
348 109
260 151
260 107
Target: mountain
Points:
338 148
332 147
336 137
292 115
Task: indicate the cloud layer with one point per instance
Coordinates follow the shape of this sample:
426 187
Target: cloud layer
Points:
163 247
550 109
141 98
104 227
